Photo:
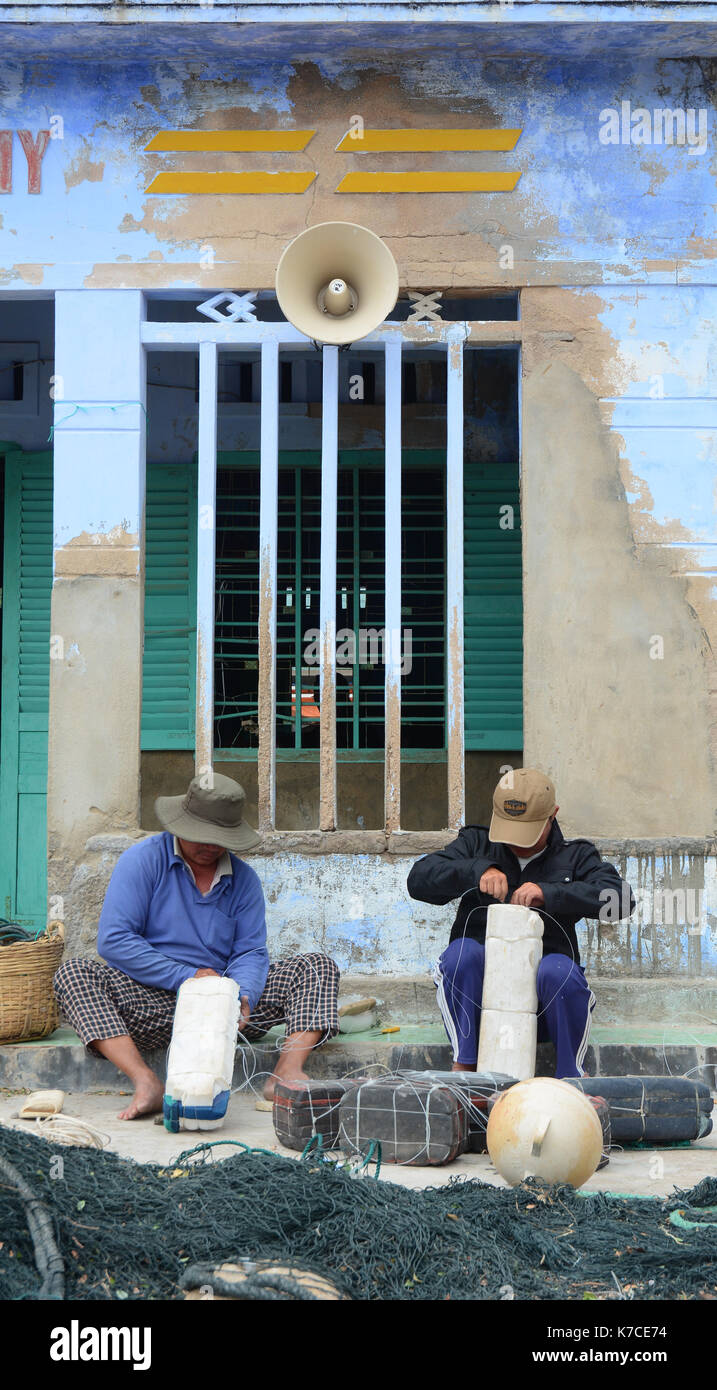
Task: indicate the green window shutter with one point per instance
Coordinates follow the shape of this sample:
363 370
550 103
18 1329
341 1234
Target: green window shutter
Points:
493 615
170 607
27 594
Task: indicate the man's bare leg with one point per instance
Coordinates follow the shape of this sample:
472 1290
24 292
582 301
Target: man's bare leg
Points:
290 1066
148 1089
464 1066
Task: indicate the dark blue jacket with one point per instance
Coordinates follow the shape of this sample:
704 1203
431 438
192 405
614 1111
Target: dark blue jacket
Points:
575 881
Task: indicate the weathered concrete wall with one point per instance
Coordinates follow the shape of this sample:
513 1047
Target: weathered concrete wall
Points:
355 905
583 211
618 588
617 478
98 587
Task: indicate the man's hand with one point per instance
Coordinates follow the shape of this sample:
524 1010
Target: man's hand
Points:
245 1012
529 895
201 974
494 884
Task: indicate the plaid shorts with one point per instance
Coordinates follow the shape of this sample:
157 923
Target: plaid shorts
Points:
100 1002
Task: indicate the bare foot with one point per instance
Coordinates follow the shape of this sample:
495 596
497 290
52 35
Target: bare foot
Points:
281 1076
147 1098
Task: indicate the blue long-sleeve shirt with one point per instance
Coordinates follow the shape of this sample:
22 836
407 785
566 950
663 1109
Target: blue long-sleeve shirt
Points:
156 926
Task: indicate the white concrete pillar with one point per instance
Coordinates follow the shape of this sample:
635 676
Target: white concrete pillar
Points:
327 601
98 585
455 694
268 550
393 576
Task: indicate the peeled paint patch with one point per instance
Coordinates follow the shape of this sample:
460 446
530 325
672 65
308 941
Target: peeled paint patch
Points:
113 552
570 471
116 536
28 274
582 211
97 561
84 169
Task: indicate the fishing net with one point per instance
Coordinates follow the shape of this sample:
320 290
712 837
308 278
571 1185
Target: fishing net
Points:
129 1231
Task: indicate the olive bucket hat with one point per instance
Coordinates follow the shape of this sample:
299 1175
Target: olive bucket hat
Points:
211 815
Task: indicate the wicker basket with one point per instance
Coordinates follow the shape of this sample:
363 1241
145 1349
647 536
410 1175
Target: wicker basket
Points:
27 1003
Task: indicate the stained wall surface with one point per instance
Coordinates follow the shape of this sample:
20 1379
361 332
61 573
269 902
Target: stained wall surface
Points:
595 201
608 233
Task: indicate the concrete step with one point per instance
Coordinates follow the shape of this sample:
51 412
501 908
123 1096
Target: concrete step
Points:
630 1001
649 1050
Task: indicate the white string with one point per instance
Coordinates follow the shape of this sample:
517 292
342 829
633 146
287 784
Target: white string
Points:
253 1083
258 1075
477 1004
416 1082
67 1129
477 1116
643 1112
486 1082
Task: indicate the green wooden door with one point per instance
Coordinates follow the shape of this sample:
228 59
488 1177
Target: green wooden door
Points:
27 588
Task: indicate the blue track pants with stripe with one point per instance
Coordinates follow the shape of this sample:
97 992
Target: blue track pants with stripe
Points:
565 1003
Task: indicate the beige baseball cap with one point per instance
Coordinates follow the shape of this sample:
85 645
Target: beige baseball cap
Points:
523 802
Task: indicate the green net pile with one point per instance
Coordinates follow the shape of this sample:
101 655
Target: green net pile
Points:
129 1231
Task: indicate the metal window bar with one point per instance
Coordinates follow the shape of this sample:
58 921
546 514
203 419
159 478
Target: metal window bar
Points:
268 543
361 551
327 616
392 585
298 686
209 338
237 604
454 584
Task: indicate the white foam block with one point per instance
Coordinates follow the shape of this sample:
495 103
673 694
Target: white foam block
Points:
509 979
508 1042
200 1064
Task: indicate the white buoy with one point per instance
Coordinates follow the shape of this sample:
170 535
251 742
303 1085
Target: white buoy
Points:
544 1128
508 1022
200 1064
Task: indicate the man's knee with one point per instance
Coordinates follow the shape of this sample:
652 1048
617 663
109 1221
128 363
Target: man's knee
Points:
558 974
320 965
73 974
462 954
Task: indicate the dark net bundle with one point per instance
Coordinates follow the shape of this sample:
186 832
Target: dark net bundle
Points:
127 1230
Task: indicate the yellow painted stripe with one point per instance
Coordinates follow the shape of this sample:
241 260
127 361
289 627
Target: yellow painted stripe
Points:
428 183
420 141
231 141
260 182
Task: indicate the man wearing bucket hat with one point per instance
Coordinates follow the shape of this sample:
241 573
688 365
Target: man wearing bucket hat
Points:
180 904
522 857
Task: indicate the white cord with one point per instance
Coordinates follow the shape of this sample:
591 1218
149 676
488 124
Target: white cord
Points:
68 1129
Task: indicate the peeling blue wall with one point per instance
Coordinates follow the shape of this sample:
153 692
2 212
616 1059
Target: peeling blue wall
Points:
606 212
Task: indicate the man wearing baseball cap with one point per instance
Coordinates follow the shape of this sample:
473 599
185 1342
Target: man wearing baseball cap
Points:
181 904
522 857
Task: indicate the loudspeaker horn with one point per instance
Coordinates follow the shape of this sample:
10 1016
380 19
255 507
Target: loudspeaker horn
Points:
336 282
